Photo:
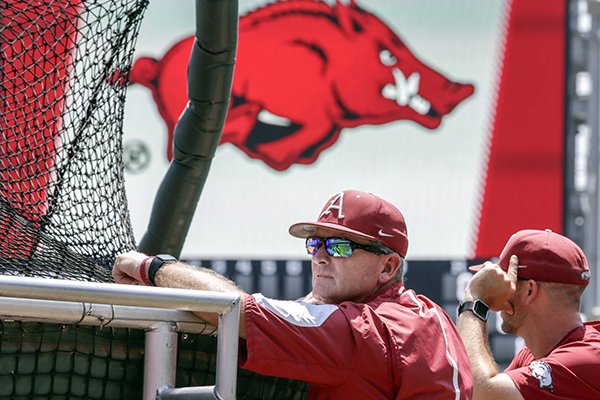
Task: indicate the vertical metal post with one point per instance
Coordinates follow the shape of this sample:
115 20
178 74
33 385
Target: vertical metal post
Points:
160 361
592 228
591 298
576 114
227 353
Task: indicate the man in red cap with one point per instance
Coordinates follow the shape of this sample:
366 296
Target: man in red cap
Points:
360 334
537 287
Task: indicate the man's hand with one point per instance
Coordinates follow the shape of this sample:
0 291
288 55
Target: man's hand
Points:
493 286
127 268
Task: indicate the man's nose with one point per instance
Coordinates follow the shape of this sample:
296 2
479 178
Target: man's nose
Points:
321 256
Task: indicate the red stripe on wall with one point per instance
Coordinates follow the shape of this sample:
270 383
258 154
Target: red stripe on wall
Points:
524 182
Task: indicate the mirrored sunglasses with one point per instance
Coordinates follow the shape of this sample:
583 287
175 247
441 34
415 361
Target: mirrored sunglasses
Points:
340 247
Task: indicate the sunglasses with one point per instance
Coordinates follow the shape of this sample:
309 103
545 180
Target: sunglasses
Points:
340 247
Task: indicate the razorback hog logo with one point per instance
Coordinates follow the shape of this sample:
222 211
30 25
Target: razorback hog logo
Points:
305 70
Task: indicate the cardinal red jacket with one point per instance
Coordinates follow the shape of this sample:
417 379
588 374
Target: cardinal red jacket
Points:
398 345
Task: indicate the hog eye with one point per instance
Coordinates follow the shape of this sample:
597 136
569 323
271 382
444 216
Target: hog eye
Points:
387 58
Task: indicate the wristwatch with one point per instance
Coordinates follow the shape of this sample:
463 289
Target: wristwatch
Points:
477 307
157 262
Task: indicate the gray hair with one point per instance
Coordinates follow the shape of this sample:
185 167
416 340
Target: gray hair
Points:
401 269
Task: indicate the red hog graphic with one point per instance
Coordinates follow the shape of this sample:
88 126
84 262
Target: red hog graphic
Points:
306 70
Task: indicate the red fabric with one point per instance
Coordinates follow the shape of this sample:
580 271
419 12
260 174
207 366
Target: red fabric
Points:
396 346
574 366
524 182
37 52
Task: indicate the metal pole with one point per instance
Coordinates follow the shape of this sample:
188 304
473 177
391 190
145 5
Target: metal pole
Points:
160 362
67 312
110 293
193 393
592 299
227 353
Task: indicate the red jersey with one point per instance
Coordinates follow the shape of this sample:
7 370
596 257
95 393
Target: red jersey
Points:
570 371
399 345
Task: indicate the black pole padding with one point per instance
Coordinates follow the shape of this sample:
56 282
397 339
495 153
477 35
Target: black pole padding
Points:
198 131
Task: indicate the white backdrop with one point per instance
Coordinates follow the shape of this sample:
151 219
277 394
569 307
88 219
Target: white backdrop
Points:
432 176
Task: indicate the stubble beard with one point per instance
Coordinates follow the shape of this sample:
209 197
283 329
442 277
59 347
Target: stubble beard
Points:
509 328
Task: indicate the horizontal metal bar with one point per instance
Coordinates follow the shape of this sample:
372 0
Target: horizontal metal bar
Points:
189 393
110 293
67 312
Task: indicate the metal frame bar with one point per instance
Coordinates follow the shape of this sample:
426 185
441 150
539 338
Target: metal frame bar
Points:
160 311
593 216
161 360
582 141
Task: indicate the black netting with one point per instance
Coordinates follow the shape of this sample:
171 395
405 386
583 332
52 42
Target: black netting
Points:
61 185
63 211
68 362
196 367
51 361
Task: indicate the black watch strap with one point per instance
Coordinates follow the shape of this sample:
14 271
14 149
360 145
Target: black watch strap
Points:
477 307
157 262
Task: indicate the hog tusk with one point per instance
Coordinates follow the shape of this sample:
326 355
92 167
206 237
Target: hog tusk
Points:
407 88
389 92
269 118
419 104
406 92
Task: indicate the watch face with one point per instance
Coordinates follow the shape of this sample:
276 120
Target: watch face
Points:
165 258
480 309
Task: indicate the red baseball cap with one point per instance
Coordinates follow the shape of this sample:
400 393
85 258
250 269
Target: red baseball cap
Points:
363 215
545 256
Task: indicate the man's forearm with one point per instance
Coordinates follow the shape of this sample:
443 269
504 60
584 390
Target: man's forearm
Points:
473 332
181 275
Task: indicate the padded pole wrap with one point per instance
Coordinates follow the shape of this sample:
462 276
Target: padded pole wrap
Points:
198 131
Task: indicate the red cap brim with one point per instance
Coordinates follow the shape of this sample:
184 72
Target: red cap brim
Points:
307 229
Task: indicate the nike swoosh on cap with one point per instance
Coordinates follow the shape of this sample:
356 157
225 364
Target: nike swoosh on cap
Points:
382 233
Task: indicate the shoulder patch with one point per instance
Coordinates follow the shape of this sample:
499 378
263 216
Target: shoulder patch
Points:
541 371
296 312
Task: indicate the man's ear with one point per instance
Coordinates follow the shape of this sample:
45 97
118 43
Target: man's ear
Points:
533 290
391 263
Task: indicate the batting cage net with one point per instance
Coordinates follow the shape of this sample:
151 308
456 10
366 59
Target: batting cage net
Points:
63 212
63 209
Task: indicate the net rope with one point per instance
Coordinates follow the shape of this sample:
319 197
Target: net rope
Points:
63 209
62 201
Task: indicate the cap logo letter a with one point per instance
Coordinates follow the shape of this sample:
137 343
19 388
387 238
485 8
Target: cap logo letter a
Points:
339 199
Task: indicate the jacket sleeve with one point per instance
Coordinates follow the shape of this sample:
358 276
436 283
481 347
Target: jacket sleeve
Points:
290 339
570 372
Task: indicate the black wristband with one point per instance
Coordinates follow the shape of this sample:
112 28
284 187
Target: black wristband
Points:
157 262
